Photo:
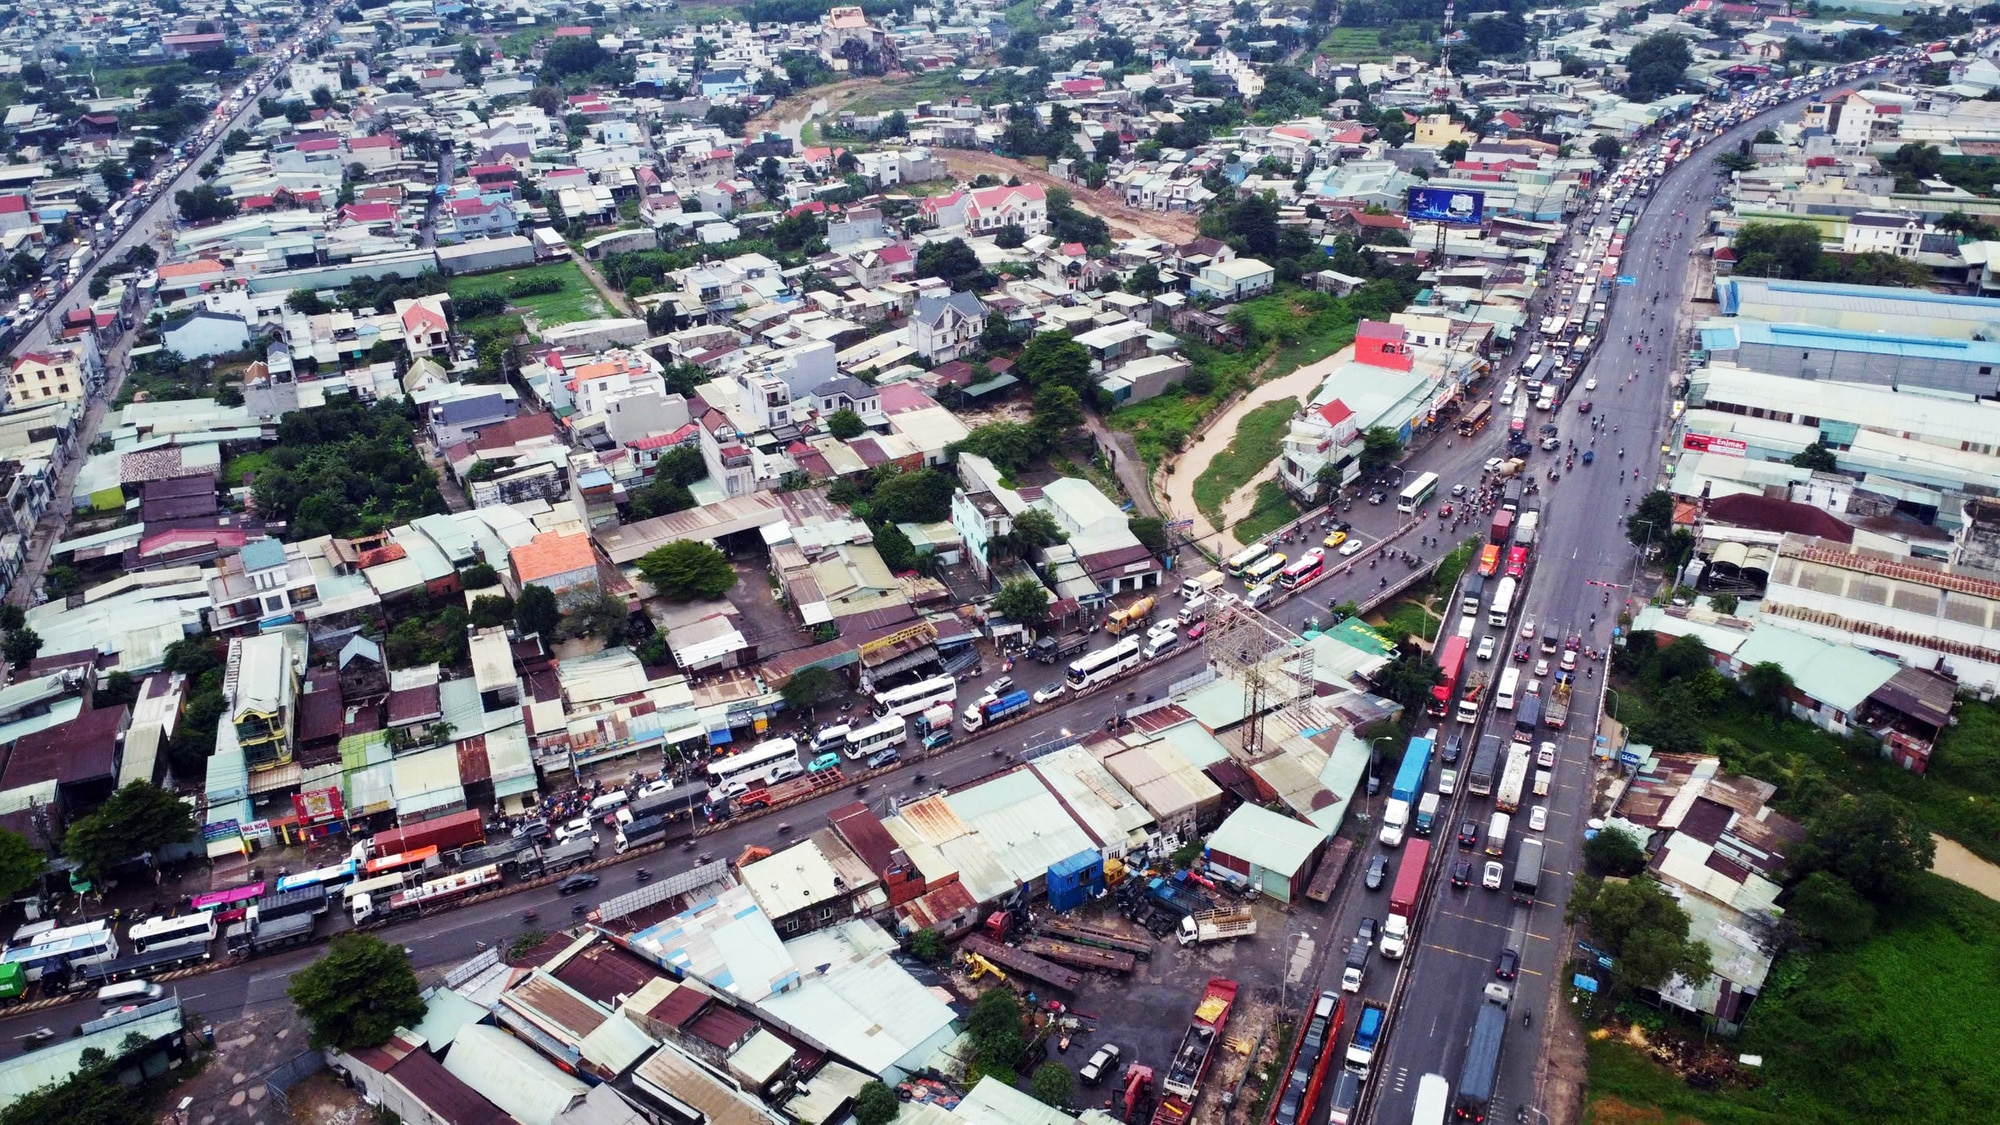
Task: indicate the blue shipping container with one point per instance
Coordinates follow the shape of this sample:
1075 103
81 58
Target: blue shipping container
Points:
1076 880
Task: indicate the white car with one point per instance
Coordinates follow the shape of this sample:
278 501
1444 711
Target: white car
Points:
1528 629
1546 756
652 787
1590 384
1049 693
1493 463
1351 548
1487 646
1538 818
1491 879
1542 667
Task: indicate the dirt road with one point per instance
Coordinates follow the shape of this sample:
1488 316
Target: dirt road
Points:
1106 204
798 106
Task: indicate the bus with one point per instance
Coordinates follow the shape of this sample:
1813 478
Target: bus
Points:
1103 664
1510 685
1502 605
911 699
1304 570
377 885
1264 569
193 933
1433 1098
340 874
1517 561
229 905
413 860
1417 493
764 764
1476 420
884 732
1451 661
1245 558
61 950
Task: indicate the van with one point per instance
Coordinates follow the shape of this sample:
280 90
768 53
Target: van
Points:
1259 594
832 738
1159 643
1507 392
883 757
129 992
605 802
1496 833
1195 609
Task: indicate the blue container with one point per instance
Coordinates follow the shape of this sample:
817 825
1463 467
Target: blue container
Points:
1076 880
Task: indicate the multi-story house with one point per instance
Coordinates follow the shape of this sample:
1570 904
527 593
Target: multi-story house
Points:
264 585
987 210
943 328
69 372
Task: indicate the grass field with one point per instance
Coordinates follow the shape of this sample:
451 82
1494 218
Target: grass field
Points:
904 93
577 301
1251 450
1366 44
1274 509
1899 1029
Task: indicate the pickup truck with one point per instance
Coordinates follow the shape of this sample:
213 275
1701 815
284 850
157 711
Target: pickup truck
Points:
1357 960
1205 926
1367 1033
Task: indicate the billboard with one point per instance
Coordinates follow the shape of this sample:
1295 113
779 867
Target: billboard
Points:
1702 443
1446 205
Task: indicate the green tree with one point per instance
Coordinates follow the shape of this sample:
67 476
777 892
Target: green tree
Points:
21 646
898 553
1408 679
1607 150
604 617
140 817
1652 519
203 203
1816 457
1149 530
1770 686
119 690
91 1095
1057 408
1873 842
490 610
1724 604
1765 137
1035 528
1787 250
876 1104
1379 448
1736 162
358 994
1145 281
928 947
845 425
1829 913
115 176
12 617
953 262
809 686
536 611
306 301
20 864
1655 65
685 570
1023 600
1614 851
1052 1084
896 124
1054 358
1638 922
919 496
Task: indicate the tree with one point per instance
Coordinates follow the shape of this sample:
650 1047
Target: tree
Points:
1638 922
1010 237
20 864
115 176
139 818
1052 1084
91 1095
896 124
876 1104
1614 851
920 496
603 616
686 569
898 553
1379 448
21 646
1651 520
119 690
1873 842
1765 137
952 261
358 994
548 99
1816 457
1724 604
306 302
1736 162
1829 913
536 611
928 947
1655 65
1035 528
203 203
1053 357
1770 685
1023 601
1145 281
1607 150
490 610
1452 153
1787 250
845 424
808 686
1057 408
1149 530
1408 679
12 617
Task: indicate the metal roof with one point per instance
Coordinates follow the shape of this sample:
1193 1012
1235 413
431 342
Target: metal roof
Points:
1265 839
508 1073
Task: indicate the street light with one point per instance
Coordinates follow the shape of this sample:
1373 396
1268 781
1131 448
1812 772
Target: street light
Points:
1612 693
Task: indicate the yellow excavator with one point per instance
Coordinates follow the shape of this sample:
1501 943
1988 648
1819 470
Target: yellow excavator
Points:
978 966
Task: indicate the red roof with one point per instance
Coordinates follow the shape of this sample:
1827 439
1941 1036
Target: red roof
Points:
571 32
13 204
383 140
1335 412
322 144
369 212
894 255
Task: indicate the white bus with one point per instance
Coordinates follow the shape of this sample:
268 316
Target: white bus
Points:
1264 569
62 948
1502 605
764 764
1243 559
1416 493
191 932
1510 683
379 886
1303 570
914 698
1433 1098
884 732
1103 664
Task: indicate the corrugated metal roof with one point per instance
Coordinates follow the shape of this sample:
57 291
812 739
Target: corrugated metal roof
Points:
675 1075
508 1073
1261 837
1093 796
1022 824
862 1003
726 941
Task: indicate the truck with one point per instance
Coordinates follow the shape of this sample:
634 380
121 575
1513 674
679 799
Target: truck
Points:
1489 560
1502 605
1053 649
1510 500
1409 782
1176 895
1129 618
645 830
1528 870
1474 1094
1197 1049
13 981
1503 526
1558 712
1528 715
936 719
1403 898
1220 924
1496 833
1367 1033
1514 779
424 896
254 937
1358 949
1525 527
1475 593
284 904
1202 584
1473 695
993 709
458 830
1427 809
558 858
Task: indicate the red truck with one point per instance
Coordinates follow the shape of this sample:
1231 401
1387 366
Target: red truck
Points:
1197 1049
1403 898
458 830
1503 526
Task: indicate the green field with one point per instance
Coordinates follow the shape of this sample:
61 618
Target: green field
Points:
1253 447
1274 509
577 301
905 93
1900 1029
1369 44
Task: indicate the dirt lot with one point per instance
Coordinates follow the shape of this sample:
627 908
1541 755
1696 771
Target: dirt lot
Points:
1105 203
231 1091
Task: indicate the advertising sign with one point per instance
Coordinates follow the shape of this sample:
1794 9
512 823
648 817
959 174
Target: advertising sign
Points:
1446 205
1727 447
317 805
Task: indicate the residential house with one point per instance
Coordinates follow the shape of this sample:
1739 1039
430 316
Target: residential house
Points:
69 372
985 211
943 328
426 327
1234 280
564 563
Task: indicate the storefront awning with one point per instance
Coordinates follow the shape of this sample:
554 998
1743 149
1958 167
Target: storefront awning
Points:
275 779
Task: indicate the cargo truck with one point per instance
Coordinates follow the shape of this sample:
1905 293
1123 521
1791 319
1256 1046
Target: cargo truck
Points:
1528 870
559 858
1403 898
1198 1043
1558 713
1496 833
1503 526
1427 808
1485 762
1222 924
1129 618
643 831
1475 593
1514 780
1351 976
1489 559
458 830
284 904
424 896
1367 1033
1054 650
1202 585
1409 782
936 719
1528 715
1526 526
1474 1096
1473 695
993 709
252 937
1173 893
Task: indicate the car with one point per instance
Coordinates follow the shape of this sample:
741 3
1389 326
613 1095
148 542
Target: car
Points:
1377 496
1351 548
1528 629
1342 525
1490 879
1005 684
1458 490
1461 873
1521 653
1487 645
1468 833
1378 872
1452 750
1546 756
1493 464
1541 666
1335 539
576 883
1590 384
1569 660
1049 693
1346 1097
1104 1061
1197 629
1369 928
536 830
1507 966
1538 818
576 830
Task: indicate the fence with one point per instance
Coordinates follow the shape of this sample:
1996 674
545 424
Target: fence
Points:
280 1081
471 969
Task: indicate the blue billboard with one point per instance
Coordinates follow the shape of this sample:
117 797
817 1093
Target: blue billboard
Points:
1446 205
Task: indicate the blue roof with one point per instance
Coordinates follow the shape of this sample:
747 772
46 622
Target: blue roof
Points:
1809 336
263 554
1077 864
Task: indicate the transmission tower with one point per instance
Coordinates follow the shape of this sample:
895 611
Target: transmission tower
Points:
1444 41
1272 663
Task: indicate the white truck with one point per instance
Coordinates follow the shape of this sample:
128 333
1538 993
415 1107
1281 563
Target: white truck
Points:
1222 924
1395 820
1202 584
